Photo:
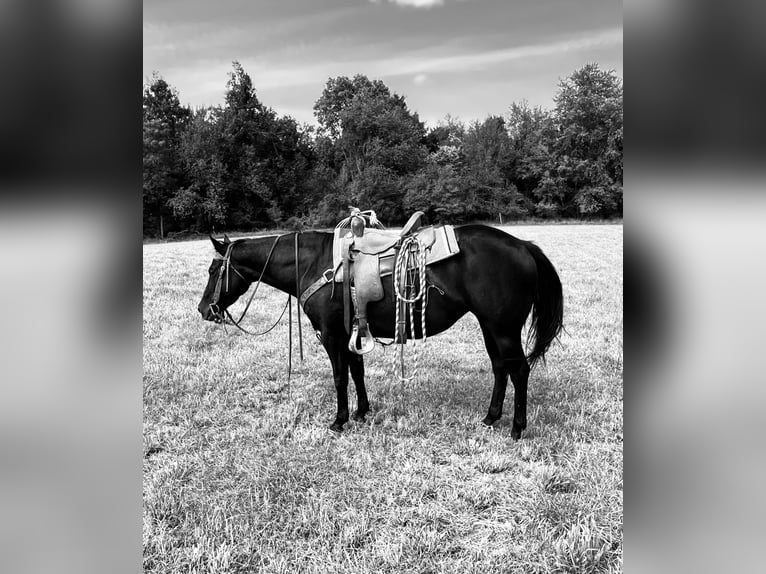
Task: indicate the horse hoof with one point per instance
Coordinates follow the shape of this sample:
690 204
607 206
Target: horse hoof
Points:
336 428
488 422
515 434
358 417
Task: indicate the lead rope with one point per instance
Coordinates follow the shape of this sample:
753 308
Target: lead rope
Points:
238 326
289 347
236 323
288 306
258 284
297 295
414 290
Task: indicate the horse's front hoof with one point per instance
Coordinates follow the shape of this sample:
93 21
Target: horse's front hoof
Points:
487 421
336 428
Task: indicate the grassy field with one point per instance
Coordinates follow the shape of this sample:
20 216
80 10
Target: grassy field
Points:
240 476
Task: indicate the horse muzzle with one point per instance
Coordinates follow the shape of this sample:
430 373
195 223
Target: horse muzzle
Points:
210 313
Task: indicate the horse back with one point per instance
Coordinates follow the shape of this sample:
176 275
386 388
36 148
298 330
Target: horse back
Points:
487 249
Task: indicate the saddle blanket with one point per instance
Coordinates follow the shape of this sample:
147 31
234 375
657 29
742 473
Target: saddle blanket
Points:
442 240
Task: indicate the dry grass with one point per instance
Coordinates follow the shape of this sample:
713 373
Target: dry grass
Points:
239 477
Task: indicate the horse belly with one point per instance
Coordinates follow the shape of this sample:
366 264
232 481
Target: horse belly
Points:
442 312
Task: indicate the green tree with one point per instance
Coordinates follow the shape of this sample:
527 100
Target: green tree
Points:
464 178
533 135
286 168
445 144
449 132
164 120
489 157
267 159
201 205
340 93
375 141
245 147
438 191
487 146
588 147
380 189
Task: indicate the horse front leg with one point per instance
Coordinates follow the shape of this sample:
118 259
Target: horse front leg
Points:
356 366
335 347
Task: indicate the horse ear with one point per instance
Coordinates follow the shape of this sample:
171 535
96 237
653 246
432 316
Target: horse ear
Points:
219 247
226 239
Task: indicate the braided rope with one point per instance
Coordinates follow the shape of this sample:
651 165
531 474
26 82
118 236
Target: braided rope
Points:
414 283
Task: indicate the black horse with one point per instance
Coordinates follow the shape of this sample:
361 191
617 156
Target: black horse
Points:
495 276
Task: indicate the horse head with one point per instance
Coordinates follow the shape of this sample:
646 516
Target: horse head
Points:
227 281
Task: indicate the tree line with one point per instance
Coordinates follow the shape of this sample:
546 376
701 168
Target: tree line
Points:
242 166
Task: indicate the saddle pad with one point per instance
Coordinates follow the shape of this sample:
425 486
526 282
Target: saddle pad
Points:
445 245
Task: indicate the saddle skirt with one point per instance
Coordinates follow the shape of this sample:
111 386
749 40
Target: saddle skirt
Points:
440 243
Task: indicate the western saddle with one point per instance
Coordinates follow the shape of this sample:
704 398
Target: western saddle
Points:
363 253
368 255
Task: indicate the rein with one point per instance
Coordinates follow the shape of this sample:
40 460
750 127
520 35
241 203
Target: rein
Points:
226 264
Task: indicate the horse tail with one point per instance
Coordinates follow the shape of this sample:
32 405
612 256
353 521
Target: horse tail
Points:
548 309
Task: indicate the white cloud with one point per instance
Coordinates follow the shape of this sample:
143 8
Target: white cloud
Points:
468 62
203 81
414 3
421 65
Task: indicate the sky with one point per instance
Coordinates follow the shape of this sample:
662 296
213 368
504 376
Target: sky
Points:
464 58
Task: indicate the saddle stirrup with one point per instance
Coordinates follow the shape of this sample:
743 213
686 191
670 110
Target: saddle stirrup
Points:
361 341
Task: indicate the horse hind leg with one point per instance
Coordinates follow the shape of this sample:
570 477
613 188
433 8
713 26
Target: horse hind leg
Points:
507 356
519 371
501 378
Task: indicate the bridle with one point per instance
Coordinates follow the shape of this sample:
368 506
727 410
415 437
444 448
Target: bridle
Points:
223 277
223 271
